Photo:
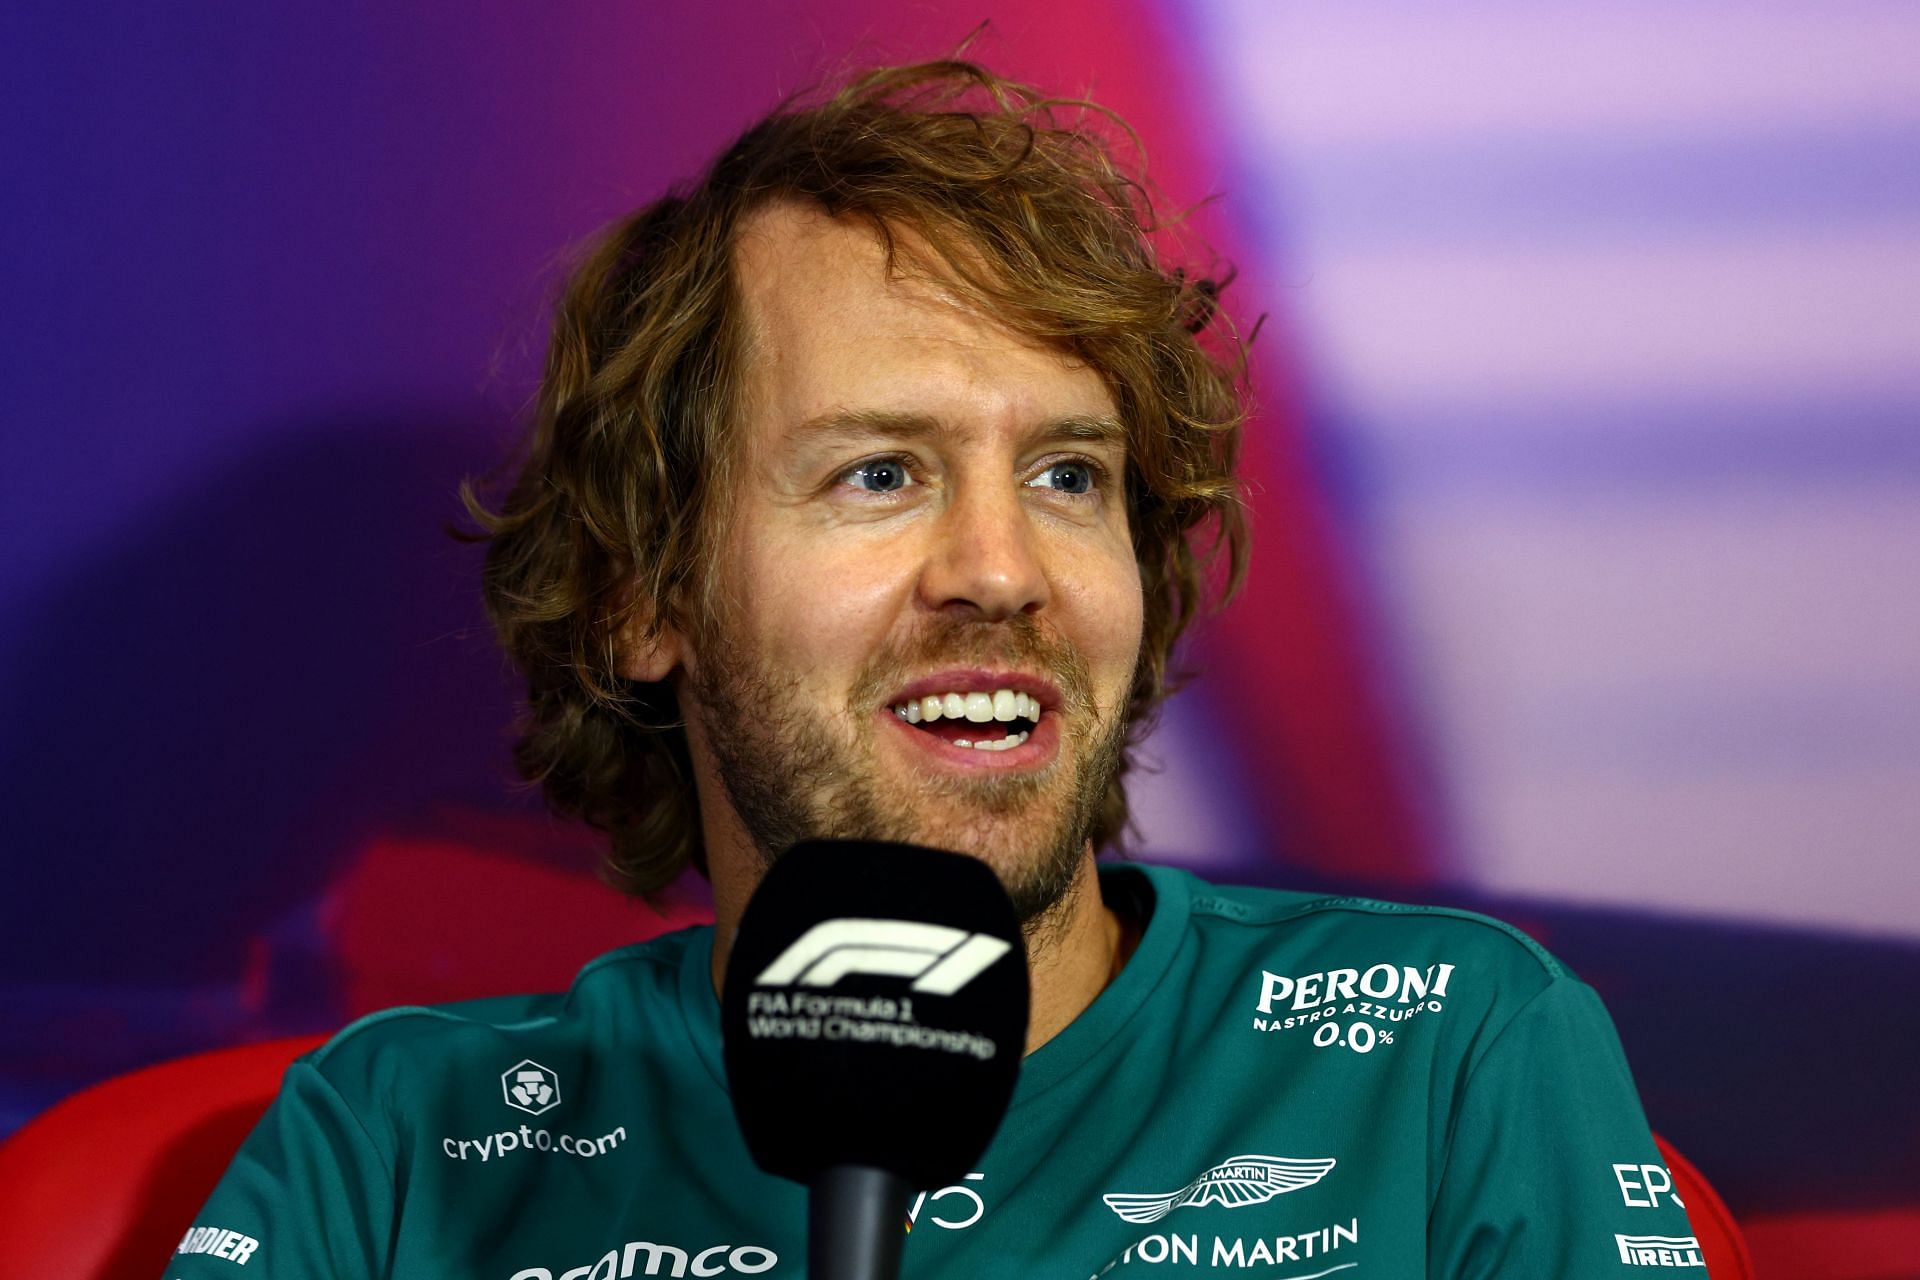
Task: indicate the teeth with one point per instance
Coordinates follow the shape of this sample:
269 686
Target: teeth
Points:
1007 743
978 707
993 744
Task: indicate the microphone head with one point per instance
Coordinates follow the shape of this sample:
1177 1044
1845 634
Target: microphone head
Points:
875 1011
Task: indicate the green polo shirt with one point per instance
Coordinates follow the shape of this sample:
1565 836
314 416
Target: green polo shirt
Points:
1277 1085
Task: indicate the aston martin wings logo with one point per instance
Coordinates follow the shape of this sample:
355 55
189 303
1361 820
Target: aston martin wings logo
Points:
1240 1181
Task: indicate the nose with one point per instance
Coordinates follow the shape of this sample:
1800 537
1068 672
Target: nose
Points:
985 561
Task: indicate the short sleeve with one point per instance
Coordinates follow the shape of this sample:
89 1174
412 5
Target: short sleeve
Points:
308 1195
1550 1168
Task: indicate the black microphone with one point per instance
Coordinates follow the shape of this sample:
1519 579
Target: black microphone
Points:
874 1018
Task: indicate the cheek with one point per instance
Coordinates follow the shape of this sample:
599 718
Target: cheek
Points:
817 615
1108 613
1126 616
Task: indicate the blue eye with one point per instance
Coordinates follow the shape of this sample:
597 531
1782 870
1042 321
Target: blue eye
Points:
1069 477
882 475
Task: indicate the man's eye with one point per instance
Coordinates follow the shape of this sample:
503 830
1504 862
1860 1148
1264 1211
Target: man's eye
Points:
1069 477
882 475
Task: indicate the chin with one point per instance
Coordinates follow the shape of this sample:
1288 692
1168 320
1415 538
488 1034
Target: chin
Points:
1004 842
1036 866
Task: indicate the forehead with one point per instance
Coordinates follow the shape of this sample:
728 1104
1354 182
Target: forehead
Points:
828 327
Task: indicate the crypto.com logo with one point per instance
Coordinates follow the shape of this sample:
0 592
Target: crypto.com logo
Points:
939 959
530 1087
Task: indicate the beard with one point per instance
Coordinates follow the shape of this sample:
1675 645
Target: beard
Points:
794 772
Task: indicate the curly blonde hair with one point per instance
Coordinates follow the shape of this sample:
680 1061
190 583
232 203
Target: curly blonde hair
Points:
1018 201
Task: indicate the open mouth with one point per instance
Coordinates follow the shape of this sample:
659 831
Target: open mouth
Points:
998 720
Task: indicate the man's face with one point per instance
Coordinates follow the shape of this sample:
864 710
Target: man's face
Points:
929 514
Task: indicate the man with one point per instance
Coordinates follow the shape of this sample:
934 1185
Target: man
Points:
863 501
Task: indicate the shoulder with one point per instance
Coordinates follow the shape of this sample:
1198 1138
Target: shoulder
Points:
1265 919
404 1050
1298 953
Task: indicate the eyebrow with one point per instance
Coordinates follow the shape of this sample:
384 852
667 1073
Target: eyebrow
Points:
1086 428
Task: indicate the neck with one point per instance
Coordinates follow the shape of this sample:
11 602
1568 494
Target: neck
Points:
1073 951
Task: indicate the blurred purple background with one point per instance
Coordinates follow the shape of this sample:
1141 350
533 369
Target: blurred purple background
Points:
1587 503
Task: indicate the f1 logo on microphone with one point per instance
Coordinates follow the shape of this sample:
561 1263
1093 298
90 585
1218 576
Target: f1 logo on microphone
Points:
939 959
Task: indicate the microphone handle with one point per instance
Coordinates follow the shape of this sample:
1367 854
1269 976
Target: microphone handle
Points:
856 1223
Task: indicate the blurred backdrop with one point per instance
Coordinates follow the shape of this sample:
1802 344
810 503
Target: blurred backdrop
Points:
1585 478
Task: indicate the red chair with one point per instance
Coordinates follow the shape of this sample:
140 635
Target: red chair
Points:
104 1185
1719 1235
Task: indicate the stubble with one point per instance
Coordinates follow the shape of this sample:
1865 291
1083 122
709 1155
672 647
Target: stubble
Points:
794 773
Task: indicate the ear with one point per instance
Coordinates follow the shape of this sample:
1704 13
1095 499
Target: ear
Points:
648 656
